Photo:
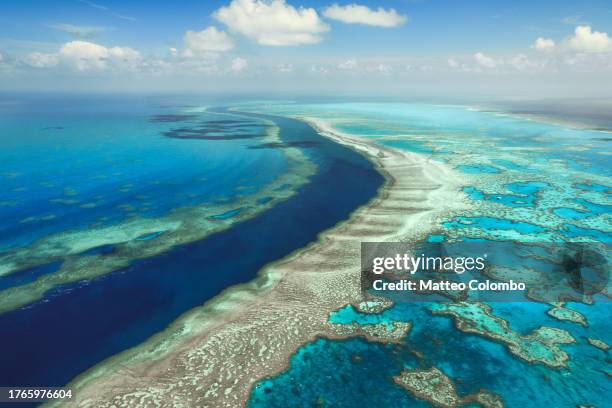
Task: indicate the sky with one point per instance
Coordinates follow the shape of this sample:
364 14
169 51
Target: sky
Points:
480 48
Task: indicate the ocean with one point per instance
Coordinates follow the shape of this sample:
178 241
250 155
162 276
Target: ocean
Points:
186 162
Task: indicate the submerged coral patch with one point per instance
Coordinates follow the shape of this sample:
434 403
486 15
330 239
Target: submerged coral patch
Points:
600 188
100 250
205 133
526 187
285 145
493 224
478 168
225 215
541 346
435 387
570 213
509 200
221 129
148 237
172 118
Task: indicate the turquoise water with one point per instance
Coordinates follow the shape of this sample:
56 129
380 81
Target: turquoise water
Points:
511 200
477 169
348 373
492 224
67 166
526 181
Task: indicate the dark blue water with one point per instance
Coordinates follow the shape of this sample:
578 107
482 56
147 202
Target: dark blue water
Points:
77 326
29 275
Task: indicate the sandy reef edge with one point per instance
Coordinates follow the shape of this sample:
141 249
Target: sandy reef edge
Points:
214 354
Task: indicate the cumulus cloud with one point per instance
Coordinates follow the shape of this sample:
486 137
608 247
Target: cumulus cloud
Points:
383 69
521 62
285 68
319 70
358 14
348 65
88 56
272 22
42 60
207 41
484 60
587 40
543 44
84 55
77 30
239 64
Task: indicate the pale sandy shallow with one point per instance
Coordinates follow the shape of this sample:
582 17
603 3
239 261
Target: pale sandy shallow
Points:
213 355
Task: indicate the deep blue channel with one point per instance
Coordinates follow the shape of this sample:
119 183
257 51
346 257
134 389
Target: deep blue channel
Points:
76 326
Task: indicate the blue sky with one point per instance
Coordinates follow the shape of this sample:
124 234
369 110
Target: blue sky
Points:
450 40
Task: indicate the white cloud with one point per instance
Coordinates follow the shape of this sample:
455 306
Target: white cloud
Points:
124 54
484 60
76 30
84 55
285 68
208 40
348 65
383 69
239 64
272 22
6 65
520 62
585 39
41 60
319 70
543 44
358 14
574 20
452 63
88 56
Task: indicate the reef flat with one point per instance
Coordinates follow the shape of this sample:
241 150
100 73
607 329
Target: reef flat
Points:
540 346
598 344
213 355
435 387
564 313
